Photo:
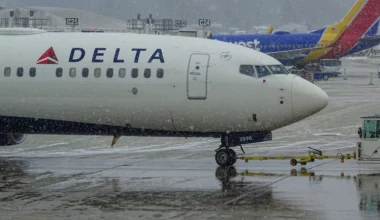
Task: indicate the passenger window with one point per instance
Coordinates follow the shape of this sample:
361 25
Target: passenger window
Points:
160 73
262 71
147 73
109 73
122 72
32 72
97 72
20 72
85 72
7 72
73 72
59 72
247 70
135 73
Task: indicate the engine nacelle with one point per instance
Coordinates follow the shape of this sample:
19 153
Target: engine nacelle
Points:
11 139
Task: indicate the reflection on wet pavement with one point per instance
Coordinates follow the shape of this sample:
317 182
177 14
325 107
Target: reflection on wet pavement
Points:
184 196
193 193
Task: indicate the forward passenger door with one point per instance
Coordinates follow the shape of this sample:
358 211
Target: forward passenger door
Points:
197 76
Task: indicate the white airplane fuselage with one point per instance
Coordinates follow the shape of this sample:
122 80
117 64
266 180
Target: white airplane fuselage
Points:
201 89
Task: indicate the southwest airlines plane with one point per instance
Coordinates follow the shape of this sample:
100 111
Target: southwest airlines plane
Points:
146 85
356 32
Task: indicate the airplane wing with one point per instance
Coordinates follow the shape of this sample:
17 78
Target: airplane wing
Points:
291 54
370 38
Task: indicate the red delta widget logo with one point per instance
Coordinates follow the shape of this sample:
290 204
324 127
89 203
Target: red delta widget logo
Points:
78 54
49 57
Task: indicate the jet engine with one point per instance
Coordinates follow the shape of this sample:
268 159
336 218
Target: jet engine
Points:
11 139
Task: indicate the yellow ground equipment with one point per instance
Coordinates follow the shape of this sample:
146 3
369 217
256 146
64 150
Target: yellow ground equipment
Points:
313 155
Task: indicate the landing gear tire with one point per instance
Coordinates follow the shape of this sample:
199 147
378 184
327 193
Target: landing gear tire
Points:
233 157
325 77
222 157
225 157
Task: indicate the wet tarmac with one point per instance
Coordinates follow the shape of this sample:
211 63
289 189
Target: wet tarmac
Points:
76 177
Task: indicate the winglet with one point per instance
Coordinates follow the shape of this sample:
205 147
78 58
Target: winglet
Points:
270 29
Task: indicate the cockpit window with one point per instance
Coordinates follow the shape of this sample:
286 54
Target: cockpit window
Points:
247 70
262 71
278 69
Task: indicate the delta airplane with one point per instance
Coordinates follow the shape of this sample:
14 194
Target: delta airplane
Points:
356 32
146 85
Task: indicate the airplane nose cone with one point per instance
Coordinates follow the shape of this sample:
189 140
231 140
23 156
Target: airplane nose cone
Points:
307 98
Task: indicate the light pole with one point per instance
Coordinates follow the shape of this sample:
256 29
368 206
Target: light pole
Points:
11 15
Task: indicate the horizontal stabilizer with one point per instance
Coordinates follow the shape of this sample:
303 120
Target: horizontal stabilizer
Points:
292 54
370 38
319 31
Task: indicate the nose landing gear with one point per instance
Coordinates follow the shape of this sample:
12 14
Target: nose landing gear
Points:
225 156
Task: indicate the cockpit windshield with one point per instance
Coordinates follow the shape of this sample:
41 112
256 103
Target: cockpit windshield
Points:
247 70
262 71
278 69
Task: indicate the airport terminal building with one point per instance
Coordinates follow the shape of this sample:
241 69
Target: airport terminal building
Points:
54 19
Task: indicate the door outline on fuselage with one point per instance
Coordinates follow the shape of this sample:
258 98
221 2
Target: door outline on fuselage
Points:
189 71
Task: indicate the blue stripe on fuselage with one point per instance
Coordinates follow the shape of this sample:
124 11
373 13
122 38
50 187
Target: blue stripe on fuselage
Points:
271 43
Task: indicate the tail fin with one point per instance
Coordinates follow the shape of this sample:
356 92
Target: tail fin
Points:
270 29
366 20
363 25
333 33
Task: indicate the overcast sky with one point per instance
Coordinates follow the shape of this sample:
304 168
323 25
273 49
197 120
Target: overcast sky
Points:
232 13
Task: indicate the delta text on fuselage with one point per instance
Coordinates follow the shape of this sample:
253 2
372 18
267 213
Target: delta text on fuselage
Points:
97 55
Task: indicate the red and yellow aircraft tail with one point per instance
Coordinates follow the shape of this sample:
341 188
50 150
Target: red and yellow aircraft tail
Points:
334 32
363 26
